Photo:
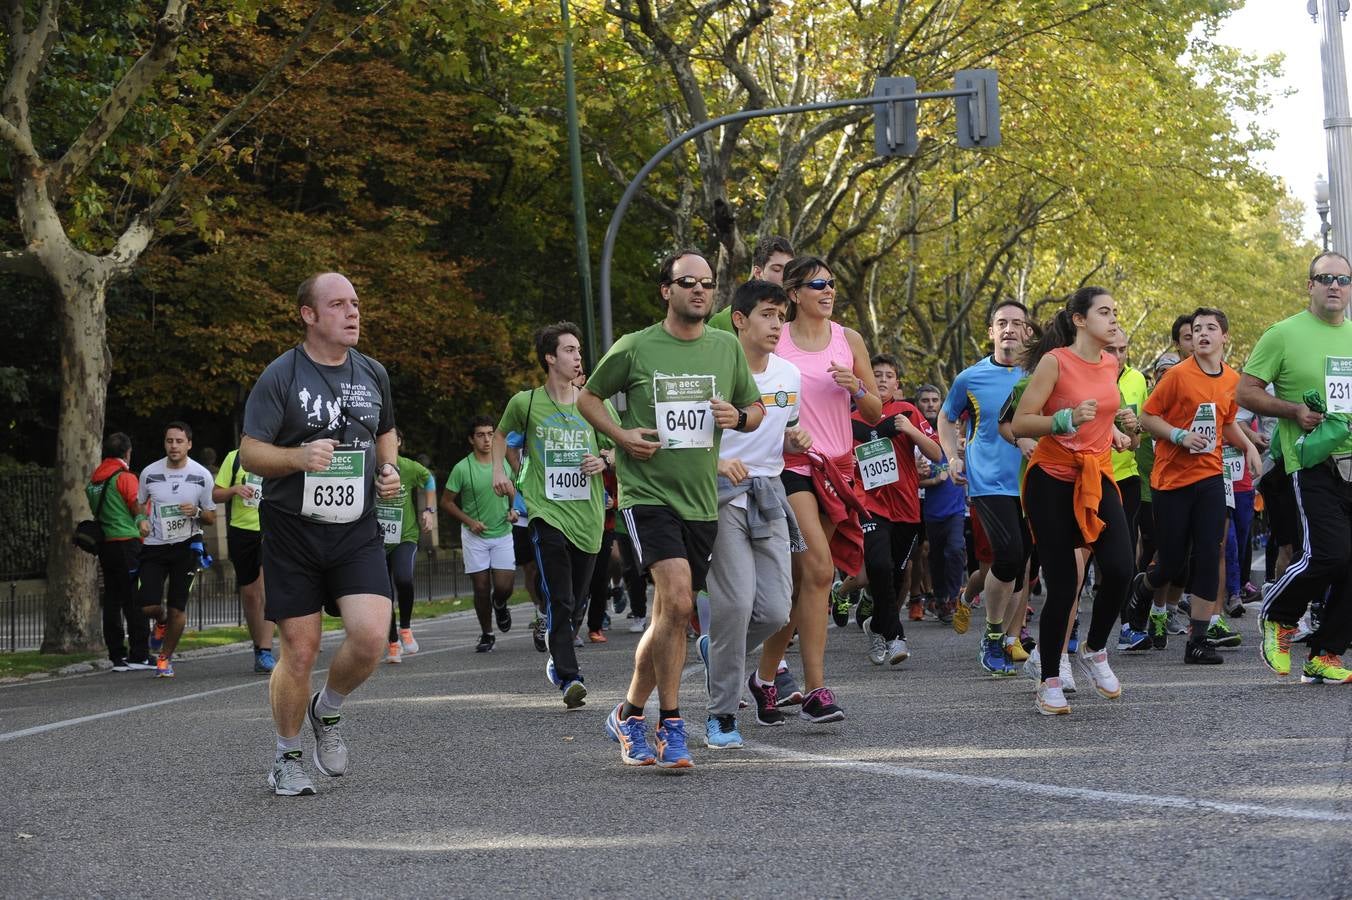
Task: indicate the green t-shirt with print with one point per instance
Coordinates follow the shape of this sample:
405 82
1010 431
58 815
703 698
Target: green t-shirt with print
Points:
667 383
473 482
1305 353
398 516
555 490
243 513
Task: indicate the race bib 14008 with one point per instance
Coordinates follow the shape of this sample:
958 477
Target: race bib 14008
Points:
564 479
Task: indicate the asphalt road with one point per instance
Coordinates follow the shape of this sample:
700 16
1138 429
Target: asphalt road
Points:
468 778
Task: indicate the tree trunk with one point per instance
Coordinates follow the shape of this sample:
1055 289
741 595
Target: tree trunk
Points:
73 622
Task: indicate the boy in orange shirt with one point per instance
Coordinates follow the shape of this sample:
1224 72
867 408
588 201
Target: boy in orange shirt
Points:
1190 409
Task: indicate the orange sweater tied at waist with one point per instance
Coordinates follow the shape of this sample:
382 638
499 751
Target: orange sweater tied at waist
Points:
1091 468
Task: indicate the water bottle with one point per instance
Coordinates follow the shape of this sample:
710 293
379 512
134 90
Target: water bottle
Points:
199 550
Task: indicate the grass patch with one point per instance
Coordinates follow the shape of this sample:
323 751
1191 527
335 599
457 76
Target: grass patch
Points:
16 665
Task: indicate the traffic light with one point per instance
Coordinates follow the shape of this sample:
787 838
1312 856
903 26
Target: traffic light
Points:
894 122
979 113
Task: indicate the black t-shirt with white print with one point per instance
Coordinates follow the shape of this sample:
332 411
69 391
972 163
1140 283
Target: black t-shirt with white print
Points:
298 400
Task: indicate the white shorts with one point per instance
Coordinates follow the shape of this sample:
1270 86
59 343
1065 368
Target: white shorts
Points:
487 553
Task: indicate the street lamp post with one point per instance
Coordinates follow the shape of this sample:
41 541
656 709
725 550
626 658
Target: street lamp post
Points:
1321 206
1337 119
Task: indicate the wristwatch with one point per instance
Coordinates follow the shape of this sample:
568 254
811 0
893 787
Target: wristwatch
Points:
741 420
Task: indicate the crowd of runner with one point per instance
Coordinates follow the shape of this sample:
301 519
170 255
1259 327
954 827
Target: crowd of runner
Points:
762 475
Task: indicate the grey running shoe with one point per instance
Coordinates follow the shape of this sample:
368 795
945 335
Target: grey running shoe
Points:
877 644
288 778
1177 622
574 694
330 751
786 689
897 652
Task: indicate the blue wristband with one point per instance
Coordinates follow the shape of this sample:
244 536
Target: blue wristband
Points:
1178 435
862 392
1061 421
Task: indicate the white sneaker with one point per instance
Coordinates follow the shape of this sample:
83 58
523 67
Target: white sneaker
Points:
897 652
1051 699
638 625
877 648
1032 666
1100 673
408 641
1067 674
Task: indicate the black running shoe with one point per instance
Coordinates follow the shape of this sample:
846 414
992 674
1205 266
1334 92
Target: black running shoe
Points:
537 633
767 701
486 642
504 616
1201 653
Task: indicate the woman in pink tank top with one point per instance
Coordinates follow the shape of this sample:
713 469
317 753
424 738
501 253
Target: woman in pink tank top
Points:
835 372
1072 501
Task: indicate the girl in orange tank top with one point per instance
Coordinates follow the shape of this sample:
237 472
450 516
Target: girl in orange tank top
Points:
1071 500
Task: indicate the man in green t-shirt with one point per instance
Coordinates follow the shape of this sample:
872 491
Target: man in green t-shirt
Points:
683 385
485 520
564 497
241 492
1310 351
768 260
401 519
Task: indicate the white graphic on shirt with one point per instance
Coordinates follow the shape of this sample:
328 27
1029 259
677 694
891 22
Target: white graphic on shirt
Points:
304 398
315 413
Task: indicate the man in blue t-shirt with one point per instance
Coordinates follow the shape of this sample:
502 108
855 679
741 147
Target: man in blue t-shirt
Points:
989 467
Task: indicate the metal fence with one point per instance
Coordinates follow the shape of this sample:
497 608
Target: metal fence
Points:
437 575
25 517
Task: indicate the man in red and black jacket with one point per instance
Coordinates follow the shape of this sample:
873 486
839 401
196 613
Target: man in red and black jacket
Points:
885 455
112 498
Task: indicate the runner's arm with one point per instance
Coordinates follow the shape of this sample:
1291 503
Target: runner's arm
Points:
870 405
1251 393
502 485
1029 422
449 502
271 461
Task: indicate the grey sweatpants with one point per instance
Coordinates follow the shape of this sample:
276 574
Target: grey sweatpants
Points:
750 596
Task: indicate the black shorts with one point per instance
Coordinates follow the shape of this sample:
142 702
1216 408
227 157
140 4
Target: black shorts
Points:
245 547
1006 528
795 483
175 563
311 564
522 548
658 533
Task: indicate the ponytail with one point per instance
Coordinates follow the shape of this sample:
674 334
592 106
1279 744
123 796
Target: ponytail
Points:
1061 330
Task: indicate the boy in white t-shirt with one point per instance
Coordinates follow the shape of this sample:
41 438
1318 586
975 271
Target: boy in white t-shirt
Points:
750 585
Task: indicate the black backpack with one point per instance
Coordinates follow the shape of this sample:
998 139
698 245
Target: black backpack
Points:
89 535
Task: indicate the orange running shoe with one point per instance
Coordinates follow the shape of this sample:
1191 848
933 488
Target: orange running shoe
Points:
596 637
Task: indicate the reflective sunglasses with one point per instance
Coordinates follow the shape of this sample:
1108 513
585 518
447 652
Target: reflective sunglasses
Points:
820 284
689 281
1343 280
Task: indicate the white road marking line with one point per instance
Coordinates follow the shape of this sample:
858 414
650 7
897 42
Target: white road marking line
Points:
1162 801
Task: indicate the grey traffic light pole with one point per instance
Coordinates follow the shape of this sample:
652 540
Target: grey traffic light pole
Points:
1337 121
978 126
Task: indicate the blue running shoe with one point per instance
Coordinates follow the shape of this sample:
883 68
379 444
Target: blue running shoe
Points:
671 749
993 658
1074 637
703 645
551 674
632 736
722 734
264 661
1130 639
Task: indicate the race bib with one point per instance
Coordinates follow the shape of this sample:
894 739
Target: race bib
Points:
174 525
877 463
684 419
564 479
1338 383
1229 494
1204 423
337 494
256 483
1234 463
390 520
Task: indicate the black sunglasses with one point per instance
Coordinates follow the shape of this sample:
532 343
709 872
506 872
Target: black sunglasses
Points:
689 281
820 284
1343 280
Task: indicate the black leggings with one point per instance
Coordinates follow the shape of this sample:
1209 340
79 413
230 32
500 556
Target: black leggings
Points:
400 563
887 546
1190 527
565 573
1130 489
1050 505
